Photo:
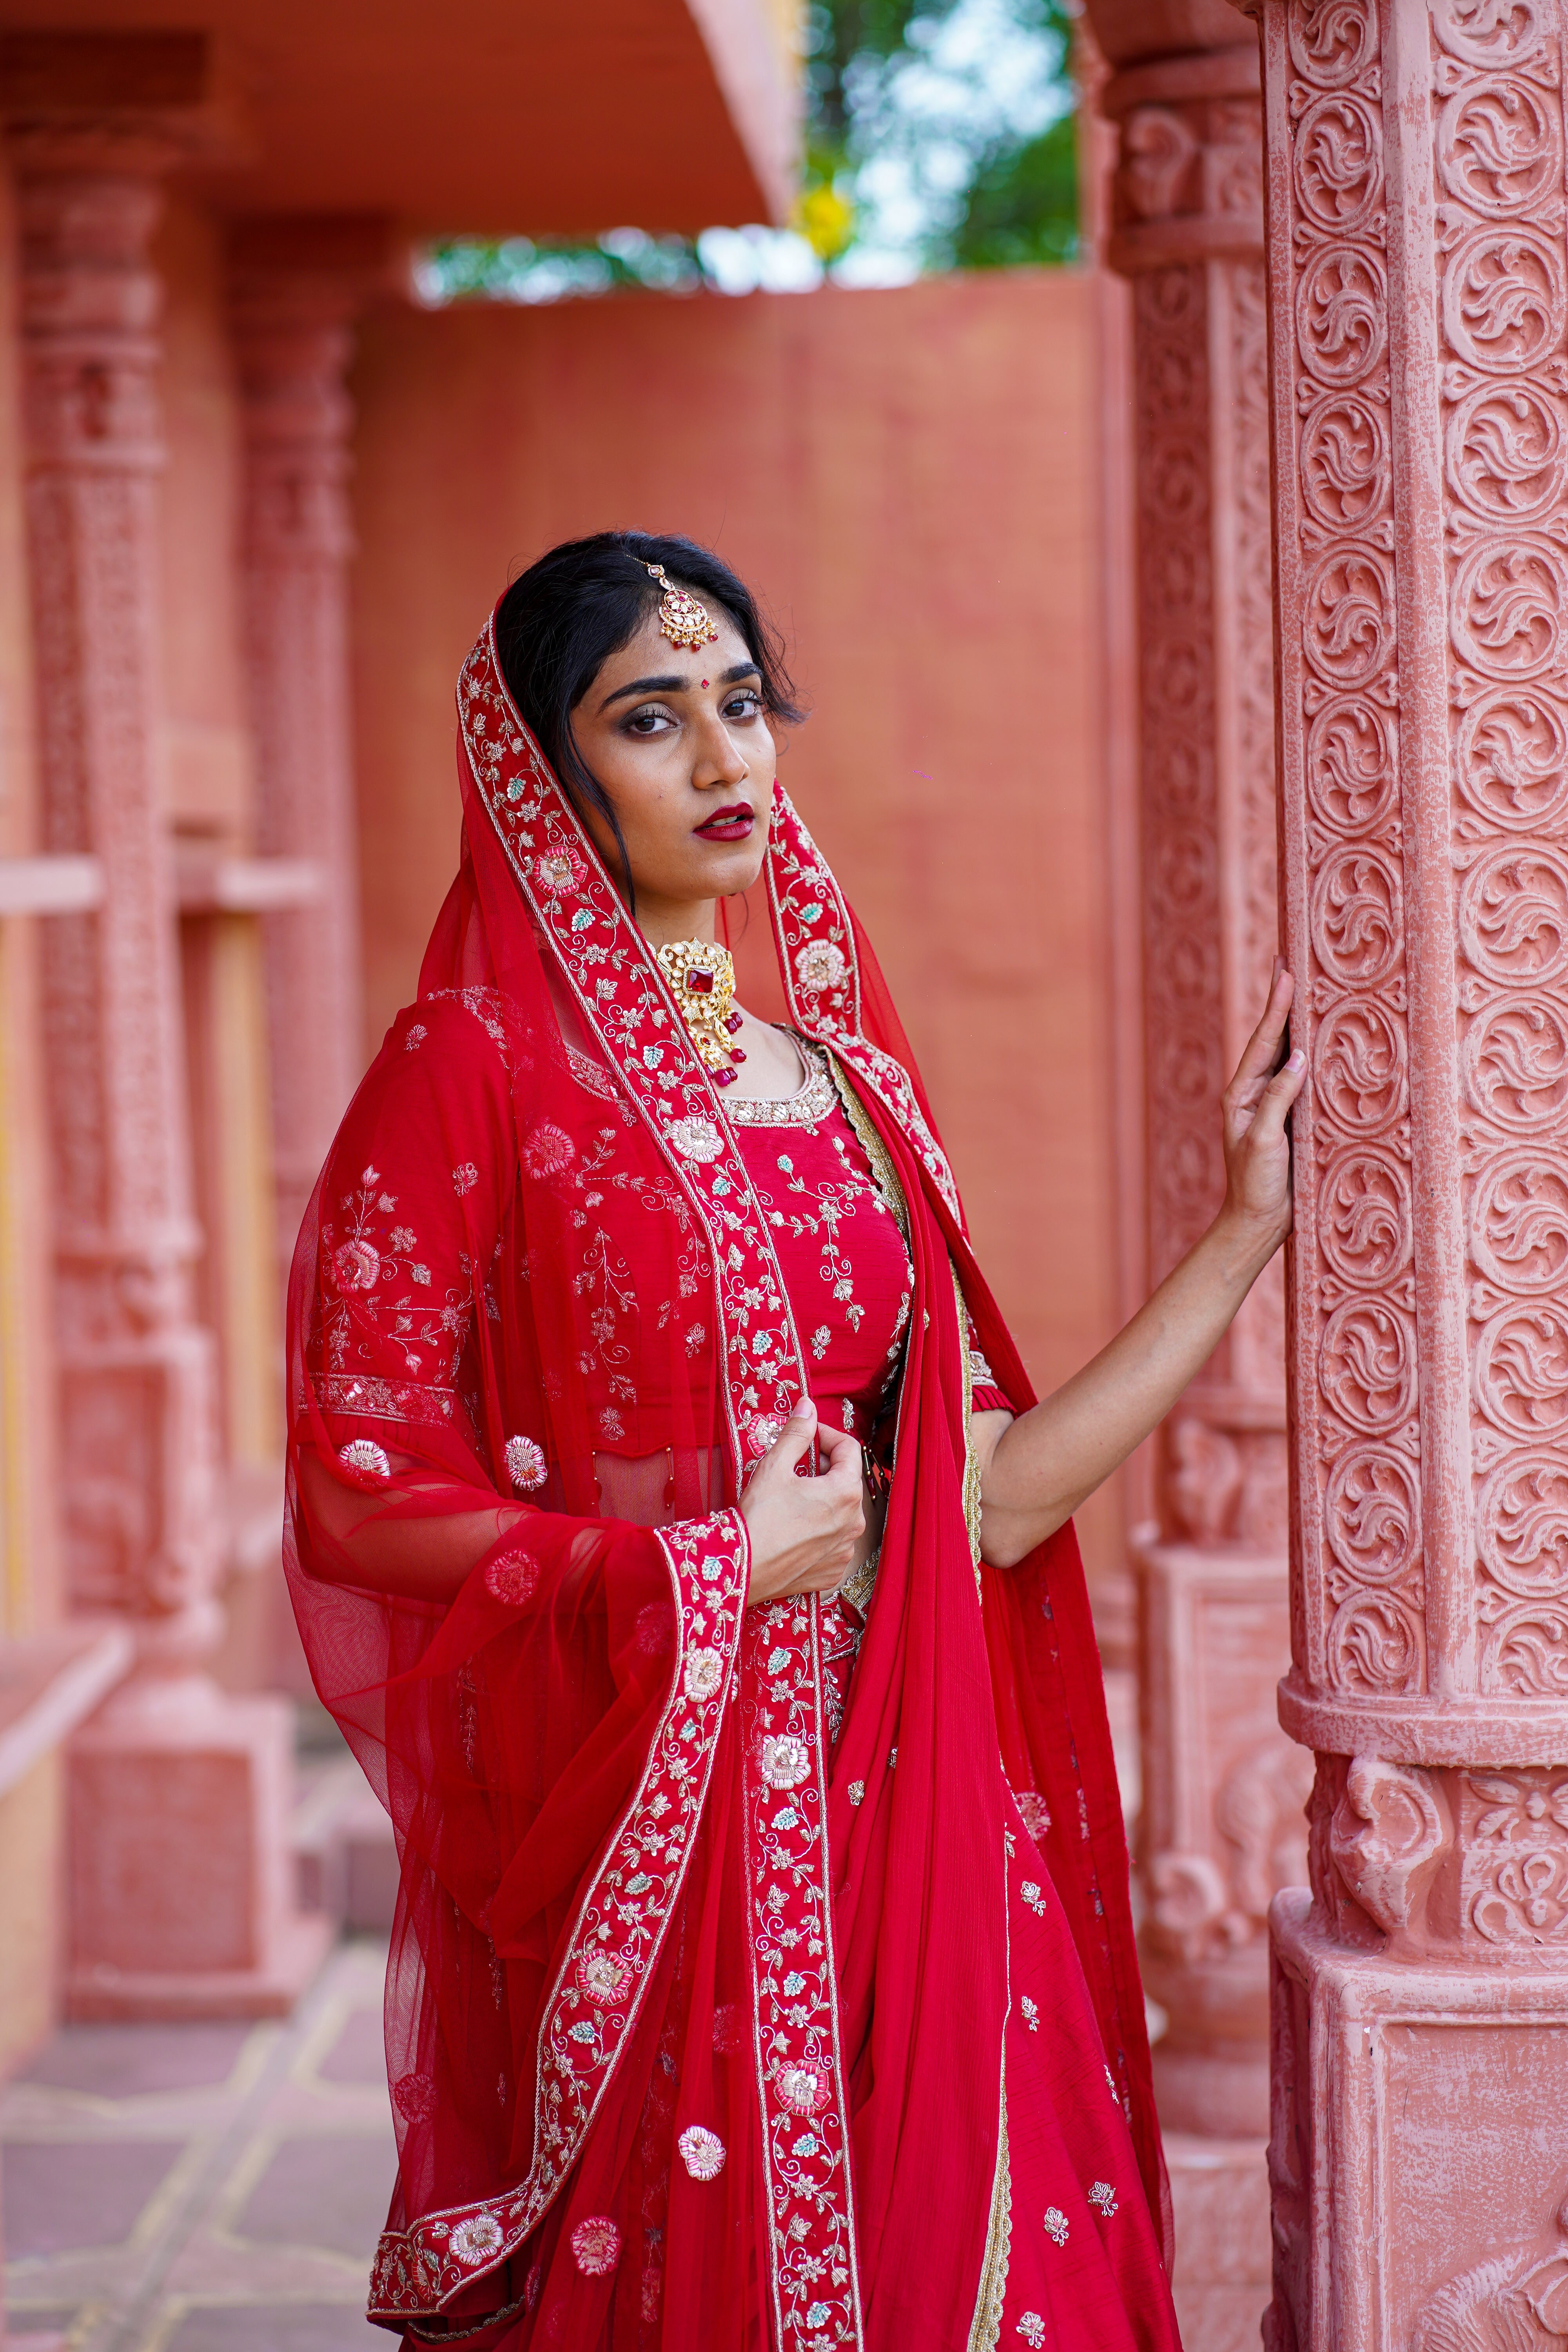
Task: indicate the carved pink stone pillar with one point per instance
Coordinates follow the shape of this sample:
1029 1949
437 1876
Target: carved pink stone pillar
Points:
1222 1825
179 1889
1418 278
293 338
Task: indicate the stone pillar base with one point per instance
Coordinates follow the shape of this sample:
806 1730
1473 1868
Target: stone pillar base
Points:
1418 2158
181 1902
1219 2189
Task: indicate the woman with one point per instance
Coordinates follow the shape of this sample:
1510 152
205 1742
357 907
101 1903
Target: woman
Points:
677 1540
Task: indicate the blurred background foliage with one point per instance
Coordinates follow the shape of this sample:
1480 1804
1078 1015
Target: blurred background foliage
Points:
940 134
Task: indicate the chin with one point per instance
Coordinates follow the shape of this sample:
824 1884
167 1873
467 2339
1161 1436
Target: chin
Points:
727 869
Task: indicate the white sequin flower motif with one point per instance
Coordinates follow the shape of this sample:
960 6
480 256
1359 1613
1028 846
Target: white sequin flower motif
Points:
804 2090
784 1762
605 1979
1032 2328
856 1792
365 1458
525 1464
1033 1898
1035 1813
1055 2225
356 1266
596 2246
1102 2197
821 965
513 1581
701 2152
695 1138
475 2240
704 1675
1031 2013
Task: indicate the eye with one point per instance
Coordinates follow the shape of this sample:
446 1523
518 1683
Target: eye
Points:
747 704
651 721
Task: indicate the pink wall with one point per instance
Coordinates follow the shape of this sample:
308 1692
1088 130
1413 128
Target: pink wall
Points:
907 478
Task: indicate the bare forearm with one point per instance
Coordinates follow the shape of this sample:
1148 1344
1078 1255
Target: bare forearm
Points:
1046 1462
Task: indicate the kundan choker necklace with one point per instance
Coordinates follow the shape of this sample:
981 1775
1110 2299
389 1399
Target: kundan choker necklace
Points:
702 975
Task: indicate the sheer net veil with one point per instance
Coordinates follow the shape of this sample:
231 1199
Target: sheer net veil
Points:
684 2044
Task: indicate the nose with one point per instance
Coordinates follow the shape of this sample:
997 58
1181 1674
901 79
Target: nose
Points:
718 758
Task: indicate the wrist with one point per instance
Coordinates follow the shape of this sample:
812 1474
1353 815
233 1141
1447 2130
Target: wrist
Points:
1244 1242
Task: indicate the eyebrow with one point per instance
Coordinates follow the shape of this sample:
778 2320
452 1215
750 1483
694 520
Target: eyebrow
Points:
673 685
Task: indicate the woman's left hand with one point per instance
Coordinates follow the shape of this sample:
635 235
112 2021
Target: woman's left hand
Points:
1253 1110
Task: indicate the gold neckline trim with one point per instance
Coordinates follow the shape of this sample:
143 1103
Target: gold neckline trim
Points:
812 1102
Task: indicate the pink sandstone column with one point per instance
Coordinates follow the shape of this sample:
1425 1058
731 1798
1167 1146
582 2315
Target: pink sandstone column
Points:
1222 1827
1418 279
293 338
179 1899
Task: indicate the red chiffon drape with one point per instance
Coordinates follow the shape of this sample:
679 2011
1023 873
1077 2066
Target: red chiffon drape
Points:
695 2018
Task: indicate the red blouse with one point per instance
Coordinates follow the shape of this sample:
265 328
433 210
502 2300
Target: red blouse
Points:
841 1251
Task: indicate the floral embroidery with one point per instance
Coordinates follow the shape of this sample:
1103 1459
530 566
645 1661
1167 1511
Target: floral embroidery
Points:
604 1978
622 1920
414 2096
472 2240
549 1150
820 965
596 2246
356 1266
784 1763
701 2152
1031 2013
695 1138
1033 1898
805 2090
1035 1813
562 870
368 1461
513 1580
413 1036
465 1178
1032 2328
704 1674
1055 2225
1102 2197
525 1464
762 1430
856 1792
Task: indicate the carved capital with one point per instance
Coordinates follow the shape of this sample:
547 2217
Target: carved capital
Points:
1470 1864
1386 1828
1189 175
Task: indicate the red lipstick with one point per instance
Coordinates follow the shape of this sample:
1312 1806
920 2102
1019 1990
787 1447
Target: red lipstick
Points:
733 823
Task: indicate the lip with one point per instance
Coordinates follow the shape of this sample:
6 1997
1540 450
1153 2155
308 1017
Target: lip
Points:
731 824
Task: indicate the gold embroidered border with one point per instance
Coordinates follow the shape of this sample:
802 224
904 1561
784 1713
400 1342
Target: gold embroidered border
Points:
985 2328
884 1173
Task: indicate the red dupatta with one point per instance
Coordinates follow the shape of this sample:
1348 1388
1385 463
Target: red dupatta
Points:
693 2031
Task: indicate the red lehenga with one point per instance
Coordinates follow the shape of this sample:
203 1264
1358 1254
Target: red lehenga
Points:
761 1978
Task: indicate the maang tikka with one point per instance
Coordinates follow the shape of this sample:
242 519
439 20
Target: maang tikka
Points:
681 619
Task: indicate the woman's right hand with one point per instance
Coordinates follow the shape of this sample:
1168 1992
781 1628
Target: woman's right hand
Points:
803 1531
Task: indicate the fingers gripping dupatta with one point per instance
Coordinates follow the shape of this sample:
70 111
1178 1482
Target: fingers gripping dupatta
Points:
693 2034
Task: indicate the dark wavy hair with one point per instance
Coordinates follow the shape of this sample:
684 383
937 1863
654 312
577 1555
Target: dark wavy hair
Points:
562 618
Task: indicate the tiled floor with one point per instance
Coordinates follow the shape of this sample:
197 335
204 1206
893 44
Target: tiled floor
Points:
202 2188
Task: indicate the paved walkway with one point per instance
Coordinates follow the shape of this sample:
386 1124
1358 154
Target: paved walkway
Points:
202 2188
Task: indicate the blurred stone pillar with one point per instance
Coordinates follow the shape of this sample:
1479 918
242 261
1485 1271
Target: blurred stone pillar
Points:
1418 274
1222 1827
179 1870
296 286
